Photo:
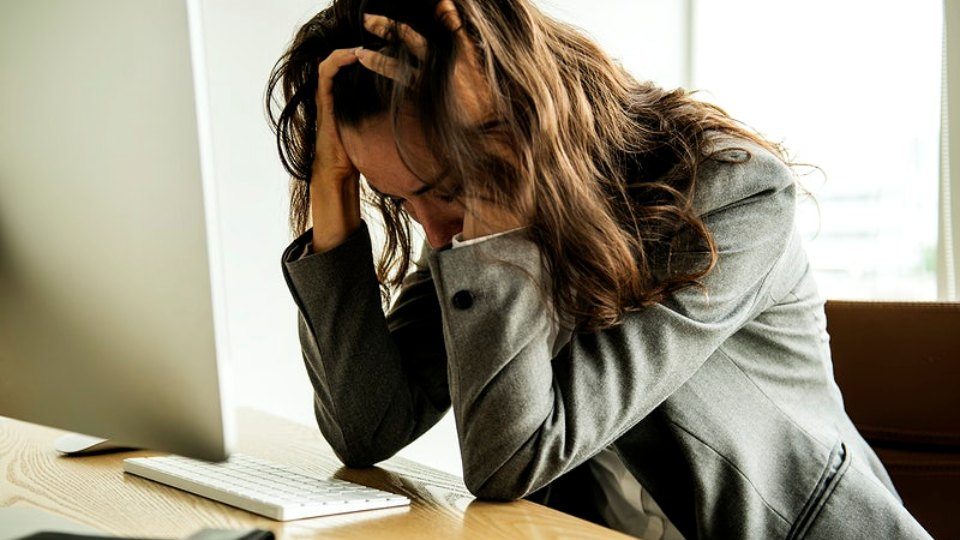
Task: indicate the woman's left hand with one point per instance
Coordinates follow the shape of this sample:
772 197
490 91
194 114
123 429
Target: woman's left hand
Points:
470 89
471 93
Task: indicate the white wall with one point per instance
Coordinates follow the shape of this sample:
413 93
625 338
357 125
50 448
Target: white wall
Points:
243 38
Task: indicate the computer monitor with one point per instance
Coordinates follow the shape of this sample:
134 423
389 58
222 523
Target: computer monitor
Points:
110 278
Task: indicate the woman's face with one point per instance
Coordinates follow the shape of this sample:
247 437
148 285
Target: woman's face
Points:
372 149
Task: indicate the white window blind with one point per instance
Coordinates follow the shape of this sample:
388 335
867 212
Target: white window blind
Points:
948 267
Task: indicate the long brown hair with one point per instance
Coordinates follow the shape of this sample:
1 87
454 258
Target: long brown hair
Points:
605 165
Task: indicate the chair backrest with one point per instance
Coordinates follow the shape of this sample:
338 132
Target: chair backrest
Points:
898 366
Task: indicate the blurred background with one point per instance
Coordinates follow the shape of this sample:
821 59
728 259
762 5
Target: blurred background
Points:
853 87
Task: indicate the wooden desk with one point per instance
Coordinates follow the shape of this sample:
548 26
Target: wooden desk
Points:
95 491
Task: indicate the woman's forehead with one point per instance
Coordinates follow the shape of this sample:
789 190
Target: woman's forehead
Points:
373 150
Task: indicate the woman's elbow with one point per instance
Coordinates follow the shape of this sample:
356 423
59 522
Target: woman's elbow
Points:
501 486
359 458
353 453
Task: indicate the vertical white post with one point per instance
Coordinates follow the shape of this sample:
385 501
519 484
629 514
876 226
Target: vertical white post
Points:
948 245
688 29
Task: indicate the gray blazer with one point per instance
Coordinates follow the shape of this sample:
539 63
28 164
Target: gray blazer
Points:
722 404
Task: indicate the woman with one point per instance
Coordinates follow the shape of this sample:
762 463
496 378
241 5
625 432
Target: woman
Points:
612 296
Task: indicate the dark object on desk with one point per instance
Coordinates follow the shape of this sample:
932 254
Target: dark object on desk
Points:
70 536
226 534
206 534
898 365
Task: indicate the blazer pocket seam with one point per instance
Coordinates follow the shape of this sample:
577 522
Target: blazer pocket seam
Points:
832 473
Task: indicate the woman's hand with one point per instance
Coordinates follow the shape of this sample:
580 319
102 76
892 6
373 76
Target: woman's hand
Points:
334 181
471 93
469 86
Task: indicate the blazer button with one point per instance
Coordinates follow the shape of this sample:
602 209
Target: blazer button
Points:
462 299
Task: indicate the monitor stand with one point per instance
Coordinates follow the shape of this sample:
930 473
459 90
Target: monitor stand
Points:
75 444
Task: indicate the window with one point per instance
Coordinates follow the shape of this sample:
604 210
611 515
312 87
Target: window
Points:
853 87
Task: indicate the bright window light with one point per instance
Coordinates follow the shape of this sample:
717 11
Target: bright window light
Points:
853 87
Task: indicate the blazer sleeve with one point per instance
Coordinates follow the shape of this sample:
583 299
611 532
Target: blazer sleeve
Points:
525 416
380 380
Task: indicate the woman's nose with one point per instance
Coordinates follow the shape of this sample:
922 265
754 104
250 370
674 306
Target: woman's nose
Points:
436 236
432 222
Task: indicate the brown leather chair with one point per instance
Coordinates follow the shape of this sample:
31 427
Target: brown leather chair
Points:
898 366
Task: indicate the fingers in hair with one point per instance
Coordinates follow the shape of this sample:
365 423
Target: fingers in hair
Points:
326 71
380 63
382 26
449 16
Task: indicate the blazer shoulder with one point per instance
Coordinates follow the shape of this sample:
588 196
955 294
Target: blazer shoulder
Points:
734 169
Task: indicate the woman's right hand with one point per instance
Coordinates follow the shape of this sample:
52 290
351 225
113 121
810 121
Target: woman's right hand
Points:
334 180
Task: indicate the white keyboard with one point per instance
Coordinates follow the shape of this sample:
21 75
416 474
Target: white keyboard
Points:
271 490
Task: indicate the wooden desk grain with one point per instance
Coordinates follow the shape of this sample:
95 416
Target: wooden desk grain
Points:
95 491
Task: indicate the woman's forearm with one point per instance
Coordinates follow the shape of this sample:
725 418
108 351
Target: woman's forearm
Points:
380 381
334 210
